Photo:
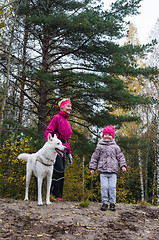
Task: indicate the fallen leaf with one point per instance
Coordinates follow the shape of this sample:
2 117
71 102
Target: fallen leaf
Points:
88 227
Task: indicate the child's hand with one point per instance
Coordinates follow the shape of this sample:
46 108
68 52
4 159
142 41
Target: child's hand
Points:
124 169
92 172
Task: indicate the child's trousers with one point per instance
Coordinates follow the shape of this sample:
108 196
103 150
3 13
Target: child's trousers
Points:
108 187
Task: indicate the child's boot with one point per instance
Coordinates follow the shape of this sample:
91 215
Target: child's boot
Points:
112 207
104 207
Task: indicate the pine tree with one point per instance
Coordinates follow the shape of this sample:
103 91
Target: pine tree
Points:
72 51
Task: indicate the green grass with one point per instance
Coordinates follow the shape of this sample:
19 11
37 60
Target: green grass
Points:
84 204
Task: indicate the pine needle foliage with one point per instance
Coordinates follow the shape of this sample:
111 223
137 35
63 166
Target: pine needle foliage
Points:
75 54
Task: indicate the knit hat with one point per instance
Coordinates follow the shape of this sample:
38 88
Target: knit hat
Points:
110 130
64 102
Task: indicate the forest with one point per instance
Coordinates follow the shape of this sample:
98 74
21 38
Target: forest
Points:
54 49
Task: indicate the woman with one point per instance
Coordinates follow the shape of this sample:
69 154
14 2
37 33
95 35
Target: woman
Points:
60 126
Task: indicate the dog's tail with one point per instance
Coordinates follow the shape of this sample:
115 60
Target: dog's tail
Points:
24 156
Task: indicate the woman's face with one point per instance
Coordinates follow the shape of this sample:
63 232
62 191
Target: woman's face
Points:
67 108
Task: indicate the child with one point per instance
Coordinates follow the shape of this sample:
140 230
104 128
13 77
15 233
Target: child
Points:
106 158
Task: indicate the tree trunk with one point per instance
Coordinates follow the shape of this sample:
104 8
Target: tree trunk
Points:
146 176
154 180
42 107
157 163
43 86
83 177
141 176
22 85
158 158
7 83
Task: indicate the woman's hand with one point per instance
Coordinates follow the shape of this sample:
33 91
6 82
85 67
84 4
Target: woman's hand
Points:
123 169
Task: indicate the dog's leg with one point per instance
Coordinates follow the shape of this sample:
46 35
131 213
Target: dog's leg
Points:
49 180
40 180
28 177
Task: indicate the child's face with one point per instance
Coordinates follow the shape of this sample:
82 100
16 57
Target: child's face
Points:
107 137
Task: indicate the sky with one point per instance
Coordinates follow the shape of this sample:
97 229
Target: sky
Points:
145 21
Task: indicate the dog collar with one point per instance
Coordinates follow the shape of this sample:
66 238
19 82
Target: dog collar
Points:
39 159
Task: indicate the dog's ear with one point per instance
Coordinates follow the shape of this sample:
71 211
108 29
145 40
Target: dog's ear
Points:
55 136
49 136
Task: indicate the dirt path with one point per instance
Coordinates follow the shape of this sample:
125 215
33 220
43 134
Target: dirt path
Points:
68 221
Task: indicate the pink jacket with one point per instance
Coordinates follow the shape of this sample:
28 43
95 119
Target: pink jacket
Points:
60 126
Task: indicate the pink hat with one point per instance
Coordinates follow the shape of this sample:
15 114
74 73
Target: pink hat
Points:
64 103
110 130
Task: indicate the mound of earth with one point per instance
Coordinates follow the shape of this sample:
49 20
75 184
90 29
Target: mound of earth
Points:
68 221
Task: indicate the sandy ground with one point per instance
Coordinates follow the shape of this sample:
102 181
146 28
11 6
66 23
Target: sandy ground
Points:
68 221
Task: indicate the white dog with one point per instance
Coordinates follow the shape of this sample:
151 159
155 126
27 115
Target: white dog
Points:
41 163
